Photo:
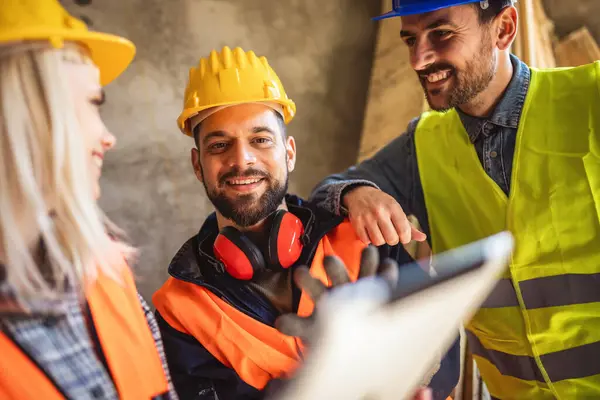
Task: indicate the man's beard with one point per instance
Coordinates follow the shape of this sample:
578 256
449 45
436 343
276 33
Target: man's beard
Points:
247 210
468 83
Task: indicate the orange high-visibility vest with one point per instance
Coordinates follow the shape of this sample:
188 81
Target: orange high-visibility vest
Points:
126 341
257 352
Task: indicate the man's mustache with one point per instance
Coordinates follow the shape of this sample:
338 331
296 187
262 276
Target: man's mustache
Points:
238 173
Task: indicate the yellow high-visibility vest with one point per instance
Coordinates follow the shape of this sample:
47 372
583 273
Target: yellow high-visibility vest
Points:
538 334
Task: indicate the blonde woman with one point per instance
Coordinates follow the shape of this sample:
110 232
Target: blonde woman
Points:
71 322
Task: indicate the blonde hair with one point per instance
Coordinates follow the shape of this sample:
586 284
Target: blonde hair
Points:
46 195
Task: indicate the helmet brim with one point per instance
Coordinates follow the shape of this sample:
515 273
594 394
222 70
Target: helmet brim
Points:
289 111
422 7
112 54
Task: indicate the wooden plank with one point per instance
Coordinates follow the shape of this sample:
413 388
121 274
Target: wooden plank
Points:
527 32
578 48
545 36
535 37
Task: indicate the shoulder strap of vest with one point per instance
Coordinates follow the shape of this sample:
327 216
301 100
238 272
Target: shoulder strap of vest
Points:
125 337
342 242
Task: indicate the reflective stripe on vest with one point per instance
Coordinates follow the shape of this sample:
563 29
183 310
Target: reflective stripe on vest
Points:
126 341
257 352
538 333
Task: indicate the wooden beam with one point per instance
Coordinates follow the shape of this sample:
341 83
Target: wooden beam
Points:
545 36
527 31
578 48
535 37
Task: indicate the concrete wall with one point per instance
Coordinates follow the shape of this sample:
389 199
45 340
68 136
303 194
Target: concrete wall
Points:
322 51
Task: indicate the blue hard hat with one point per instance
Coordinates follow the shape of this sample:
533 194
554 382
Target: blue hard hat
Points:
408 7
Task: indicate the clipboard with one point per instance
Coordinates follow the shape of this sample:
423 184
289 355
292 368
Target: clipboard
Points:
385 352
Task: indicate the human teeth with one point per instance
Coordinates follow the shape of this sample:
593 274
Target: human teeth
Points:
243 181
438 76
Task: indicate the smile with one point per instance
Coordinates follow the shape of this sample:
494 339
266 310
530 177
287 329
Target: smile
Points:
98 159
437 77
246 181
244 185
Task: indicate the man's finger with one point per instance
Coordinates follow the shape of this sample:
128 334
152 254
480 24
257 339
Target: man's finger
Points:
375 233
390 271
369 260
360 230
336 270
313 287
293 325
417 234
388 230
402 225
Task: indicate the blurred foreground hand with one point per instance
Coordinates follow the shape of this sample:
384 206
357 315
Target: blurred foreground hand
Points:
386 274
342 314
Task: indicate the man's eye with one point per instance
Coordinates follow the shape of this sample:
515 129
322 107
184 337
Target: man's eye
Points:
262 140
442 33
410 41
217 146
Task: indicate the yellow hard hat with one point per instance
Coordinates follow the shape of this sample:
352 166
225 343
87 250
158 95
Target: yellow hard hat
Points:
229 78
22 20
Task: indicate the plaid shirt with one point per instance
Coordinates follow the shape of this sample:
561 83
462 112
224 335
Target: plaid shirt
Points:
62 347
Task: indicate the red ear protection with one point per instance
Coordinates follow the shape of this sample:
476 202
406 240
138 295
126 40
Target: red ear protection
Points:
242 258
238 254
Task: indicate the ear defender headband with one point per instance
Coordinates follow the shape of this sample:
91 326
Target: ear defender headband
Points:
242 258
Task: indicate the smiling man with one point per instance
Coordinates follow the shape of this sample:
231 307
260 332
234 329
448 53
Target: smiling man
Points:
506 147
465 64
244 269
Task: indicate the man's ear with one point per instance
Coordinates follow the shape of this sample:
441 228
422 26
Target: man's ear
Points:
290 149
195 155
506 27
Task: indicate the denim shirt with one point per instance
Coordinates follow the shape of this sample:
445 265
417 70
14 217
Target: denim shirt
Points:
394 168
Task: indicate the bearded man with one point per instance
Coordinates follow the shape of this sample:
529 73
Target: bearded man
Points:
505 147
228 312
